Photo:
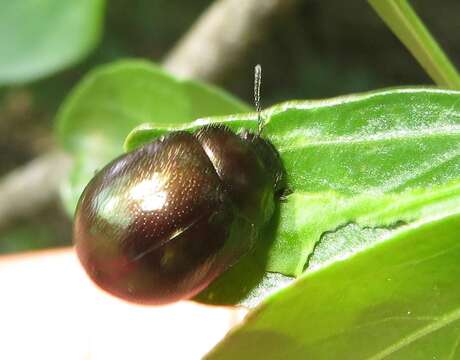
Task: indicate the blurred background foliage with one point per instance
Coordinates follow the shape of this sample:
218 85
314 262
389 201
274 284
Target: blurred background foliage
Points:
320 49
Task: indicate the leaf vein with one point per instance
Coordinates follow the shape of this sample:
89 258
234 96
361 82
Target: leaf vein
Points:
430 328
401 135
454 348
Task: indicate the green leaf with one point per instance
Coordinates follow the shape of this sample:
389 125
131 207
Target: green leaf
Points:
398 299
27 236
41 37
380 160
96 117
407 26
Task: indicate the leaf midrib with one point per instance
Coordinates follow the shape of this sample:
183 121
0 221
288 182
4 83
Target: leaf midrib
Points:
366 138
441 322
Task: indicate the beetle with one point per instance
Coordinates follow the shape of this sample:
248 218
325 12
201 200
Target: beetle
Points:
160 223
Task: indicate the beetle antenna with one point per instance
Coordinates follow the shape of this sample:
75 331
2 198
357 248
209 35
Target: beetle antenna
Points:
257 83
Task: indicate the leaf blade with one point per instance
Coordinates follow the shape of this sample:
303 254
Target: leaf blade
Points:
350 157
95 118
407 26
368 307
52 35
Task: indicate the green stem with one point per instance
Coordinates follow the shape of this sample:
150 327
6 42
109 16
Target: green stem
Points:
409 28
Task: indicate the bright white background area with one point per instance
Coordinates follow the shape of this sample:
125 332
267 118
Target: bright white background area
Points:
49 309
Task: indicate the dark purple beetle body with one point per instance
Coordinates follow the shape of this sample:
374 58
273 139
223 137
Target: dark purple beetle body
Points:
159 224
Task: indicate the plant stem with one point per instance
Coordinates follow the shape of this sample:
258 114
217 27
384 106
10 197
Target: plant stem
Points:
409 28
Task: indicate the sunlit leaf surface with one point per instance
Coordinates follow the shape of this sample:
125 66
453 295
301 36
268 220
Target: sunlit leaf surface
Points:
377 162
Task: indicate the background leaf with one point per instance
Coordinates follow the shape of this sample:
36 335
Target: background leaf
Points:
96 117
401 18
378 160
399 299
42 37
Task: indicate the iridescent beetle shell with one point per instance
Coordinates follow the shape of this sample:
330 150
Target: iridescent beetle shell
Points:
158 224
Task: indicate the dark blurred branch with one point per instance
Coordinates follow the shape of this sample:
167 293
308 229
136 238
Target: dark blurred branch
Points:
32 186
221 37
216 42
